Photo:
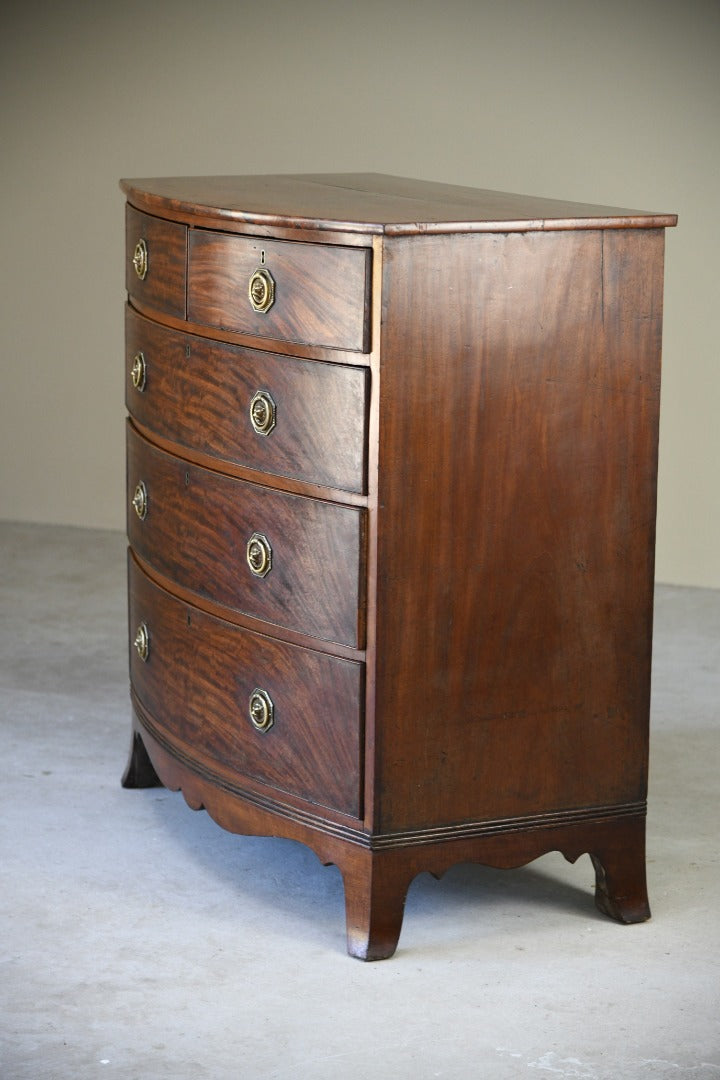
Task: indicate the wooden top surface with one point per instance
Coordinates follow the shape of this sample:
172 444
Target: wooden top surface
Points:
371 203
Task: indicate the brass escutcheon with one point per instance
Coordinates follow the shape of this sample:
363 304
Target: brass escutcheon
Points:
261 290
142 642
259 554
262 710
140 259
138 372
262 412
140 501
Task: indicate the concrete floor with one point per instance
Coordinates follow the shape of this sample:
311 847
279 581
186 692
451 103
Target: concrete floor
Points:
140 941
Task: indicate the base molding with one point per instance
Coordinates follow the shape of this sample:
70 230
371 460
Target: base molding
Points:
377 870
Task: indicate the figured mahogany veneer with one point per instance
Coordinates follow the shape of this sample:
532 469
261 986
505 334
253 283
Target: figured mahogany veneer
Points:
200 672
163 285
196 529
320 291
449 658
198 394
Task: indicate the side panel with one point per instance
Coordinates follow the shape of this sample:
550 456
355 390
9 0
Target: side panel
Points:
517 448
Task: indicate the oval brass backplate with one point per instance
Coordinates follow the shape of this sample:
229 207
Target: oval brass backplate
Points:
142 642
138 371
140 259
140 501
261 709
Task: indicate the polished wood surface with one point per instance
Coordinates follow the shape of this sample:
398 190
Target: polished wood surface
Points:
457 627
197 527
517 505
163 287
376 882
198 393
196 686
370 203
320 291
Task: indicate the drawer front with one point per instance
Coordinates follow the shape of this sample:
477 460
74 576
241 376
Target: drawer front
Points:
197 682
195 527
156 262
201 394
317 293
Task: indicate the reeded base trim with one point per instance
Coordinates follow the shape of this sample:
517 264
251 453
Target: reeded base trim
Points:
381 841
471 829
217 780
377 871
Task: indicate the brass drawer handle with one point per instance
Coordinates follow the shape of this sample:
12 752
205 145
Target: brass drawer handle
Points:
138 371
262 710
261 290
259 554
142 642
262 412
140 501
140 259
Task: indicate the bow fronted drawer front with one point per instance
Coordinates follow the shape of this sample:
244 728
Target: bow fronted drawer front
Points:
316 294
243 705
156 262
287 559
302 419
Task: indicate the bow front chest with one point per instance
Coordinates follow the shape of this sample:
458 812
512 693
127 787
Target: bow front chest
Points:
391 461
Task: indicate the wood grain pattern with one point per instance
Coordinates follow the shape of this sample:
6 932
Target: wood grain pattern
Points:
516 524
164 286
197 526
197 682
198 395
370 203
498 445
376 883
321 292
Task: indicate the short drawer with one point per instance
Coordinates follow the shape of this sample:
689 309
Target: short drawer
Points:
296 418
290 560
238 703
156 262
315 294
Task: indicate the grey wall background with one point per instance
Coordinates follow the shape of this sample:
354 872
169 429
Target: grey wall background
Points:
610 102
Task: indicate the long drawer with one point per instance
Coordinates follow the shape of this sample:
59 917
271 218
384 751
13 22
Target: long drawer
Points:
287 559
277 414
239 703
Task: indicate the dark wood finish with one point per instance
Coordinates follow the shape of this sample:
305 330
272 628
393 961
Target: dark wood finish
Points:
369 203
197 394
196 686
164 286
321 292
376 882
528 689
197 526
499 579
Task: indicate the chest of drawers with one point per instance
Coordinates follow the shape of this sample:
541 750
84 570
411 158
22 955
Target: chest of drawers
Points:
392 453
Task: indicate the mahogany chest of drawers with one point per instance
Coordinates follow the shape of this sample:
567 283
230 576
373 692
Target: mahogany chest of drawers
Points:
391 460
